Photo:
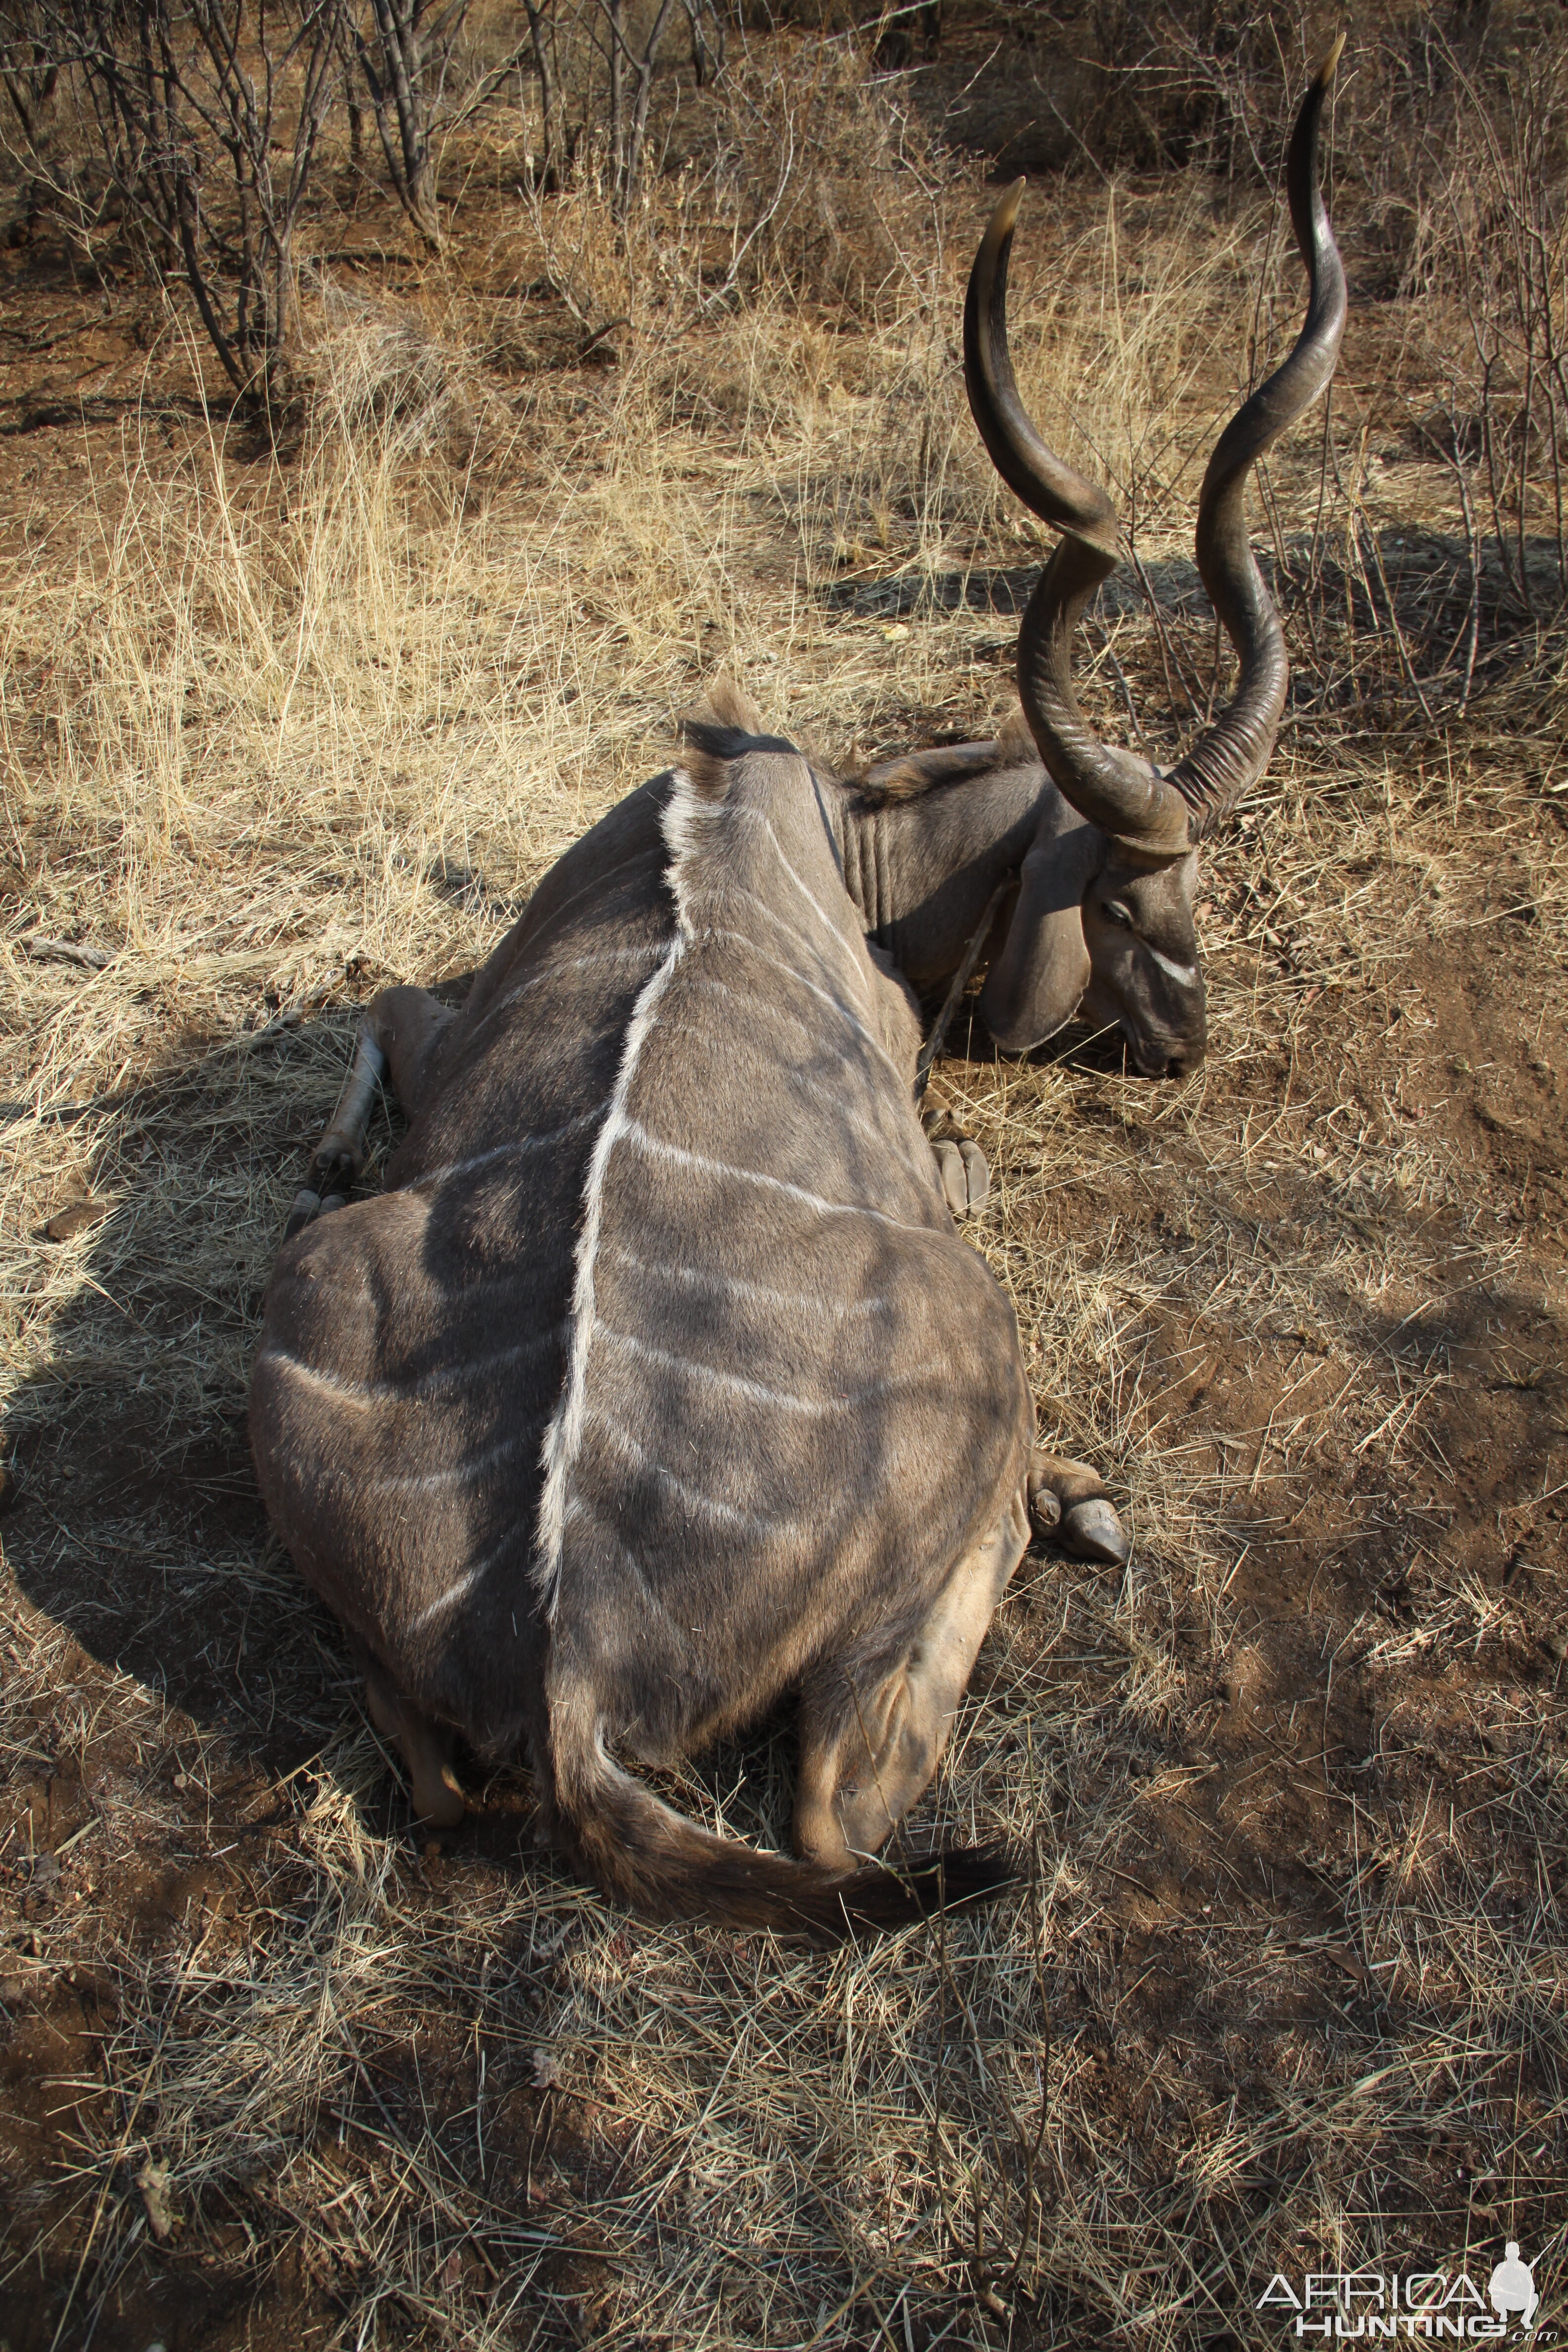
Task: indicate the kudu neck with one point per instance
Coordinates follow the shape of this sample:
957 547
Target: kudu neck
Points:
923 871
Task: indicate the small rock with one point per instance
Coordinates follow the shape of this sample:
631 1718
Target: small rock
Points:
547 2070
66 1223
13 1991
43 1870
154 2182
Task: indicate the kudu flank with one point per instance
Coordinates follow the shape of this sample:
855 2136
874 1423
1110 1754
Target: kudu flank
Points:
658 1383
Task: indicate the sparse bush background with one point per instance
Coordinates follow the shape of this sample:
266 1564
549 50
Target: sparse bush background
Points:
310 665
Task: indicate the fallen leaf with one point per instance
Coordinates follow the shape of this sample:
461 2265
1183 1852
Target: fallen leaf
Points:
75 1218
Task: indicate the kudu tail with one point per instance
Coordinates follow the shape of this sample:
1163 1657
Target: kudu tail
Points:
655 1861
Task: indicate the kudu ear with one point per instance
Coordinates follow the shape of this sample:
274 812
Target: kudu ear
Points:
1039 973
729 705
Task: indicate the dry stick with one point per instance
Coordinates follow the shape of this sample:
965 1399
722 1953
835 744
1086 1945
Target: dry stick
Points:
1405 661
961 981
114 2165
1472 623
1116 672
1168 652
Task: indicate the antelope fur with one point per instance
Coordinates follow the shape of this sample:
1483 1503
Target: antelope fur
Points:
607 1446
657 1384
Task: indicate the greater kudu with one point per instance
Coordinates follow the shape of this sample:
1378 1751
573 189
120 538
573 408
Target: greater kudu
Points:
658 1383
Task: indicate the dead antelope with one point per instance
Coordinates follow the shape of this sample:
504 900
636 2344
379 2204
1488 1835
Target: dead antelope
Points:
658 1384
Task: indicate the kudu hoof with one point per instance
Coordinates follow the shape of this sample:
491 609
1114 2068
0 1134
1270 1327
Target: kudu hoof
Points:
965 1177
1093 1531
327 1187
439 1800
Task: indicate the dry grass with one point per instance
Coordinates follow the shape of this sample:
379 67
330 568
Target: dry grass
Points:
1285 1989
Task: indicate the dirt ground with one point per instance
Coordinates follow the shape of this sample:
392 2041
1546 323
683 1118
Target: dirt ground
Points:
1285 1989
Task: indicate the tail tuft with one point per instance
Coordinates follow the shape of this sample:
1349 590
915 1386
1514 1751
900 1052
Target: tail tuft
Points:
896 1894
646 1855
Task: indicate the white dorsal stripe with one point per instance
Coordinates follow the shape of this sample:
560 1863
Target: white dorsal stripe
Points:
1185 973
564 1437
366 1393
515 1149
640 1140
745 1522
736 1384
698 1277
695 815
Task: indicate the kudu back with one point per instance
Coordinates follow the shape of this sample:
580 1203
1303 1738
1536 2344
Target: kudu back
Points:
658 1383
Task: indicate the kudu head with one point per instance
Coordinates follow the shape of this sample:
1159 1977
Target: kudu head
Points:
1103 917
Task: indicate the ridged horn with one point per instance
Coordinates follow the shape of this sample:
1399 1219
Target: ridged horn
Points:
1148 813
1233 754
1121 794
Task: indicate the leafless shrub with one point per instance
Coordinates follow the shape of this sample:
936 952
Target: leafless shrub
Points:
208 138
405 55
29 66
1492 250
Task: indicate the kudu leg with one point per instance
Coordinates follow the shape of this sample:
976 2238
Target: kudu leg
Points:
1068 1501
866 1755
400 1029
426 1750
960 1168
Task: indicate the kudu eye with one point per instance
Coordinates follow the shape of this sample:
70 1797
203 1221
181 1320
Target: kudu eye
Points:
1115 912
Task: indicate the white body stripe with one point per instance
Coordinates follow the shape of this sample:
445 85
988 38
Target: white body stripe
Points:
466 1583
708 1505
572 963
701 1278
520 1144
368 1393
826 995
639 1138
436 1482
737 1385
